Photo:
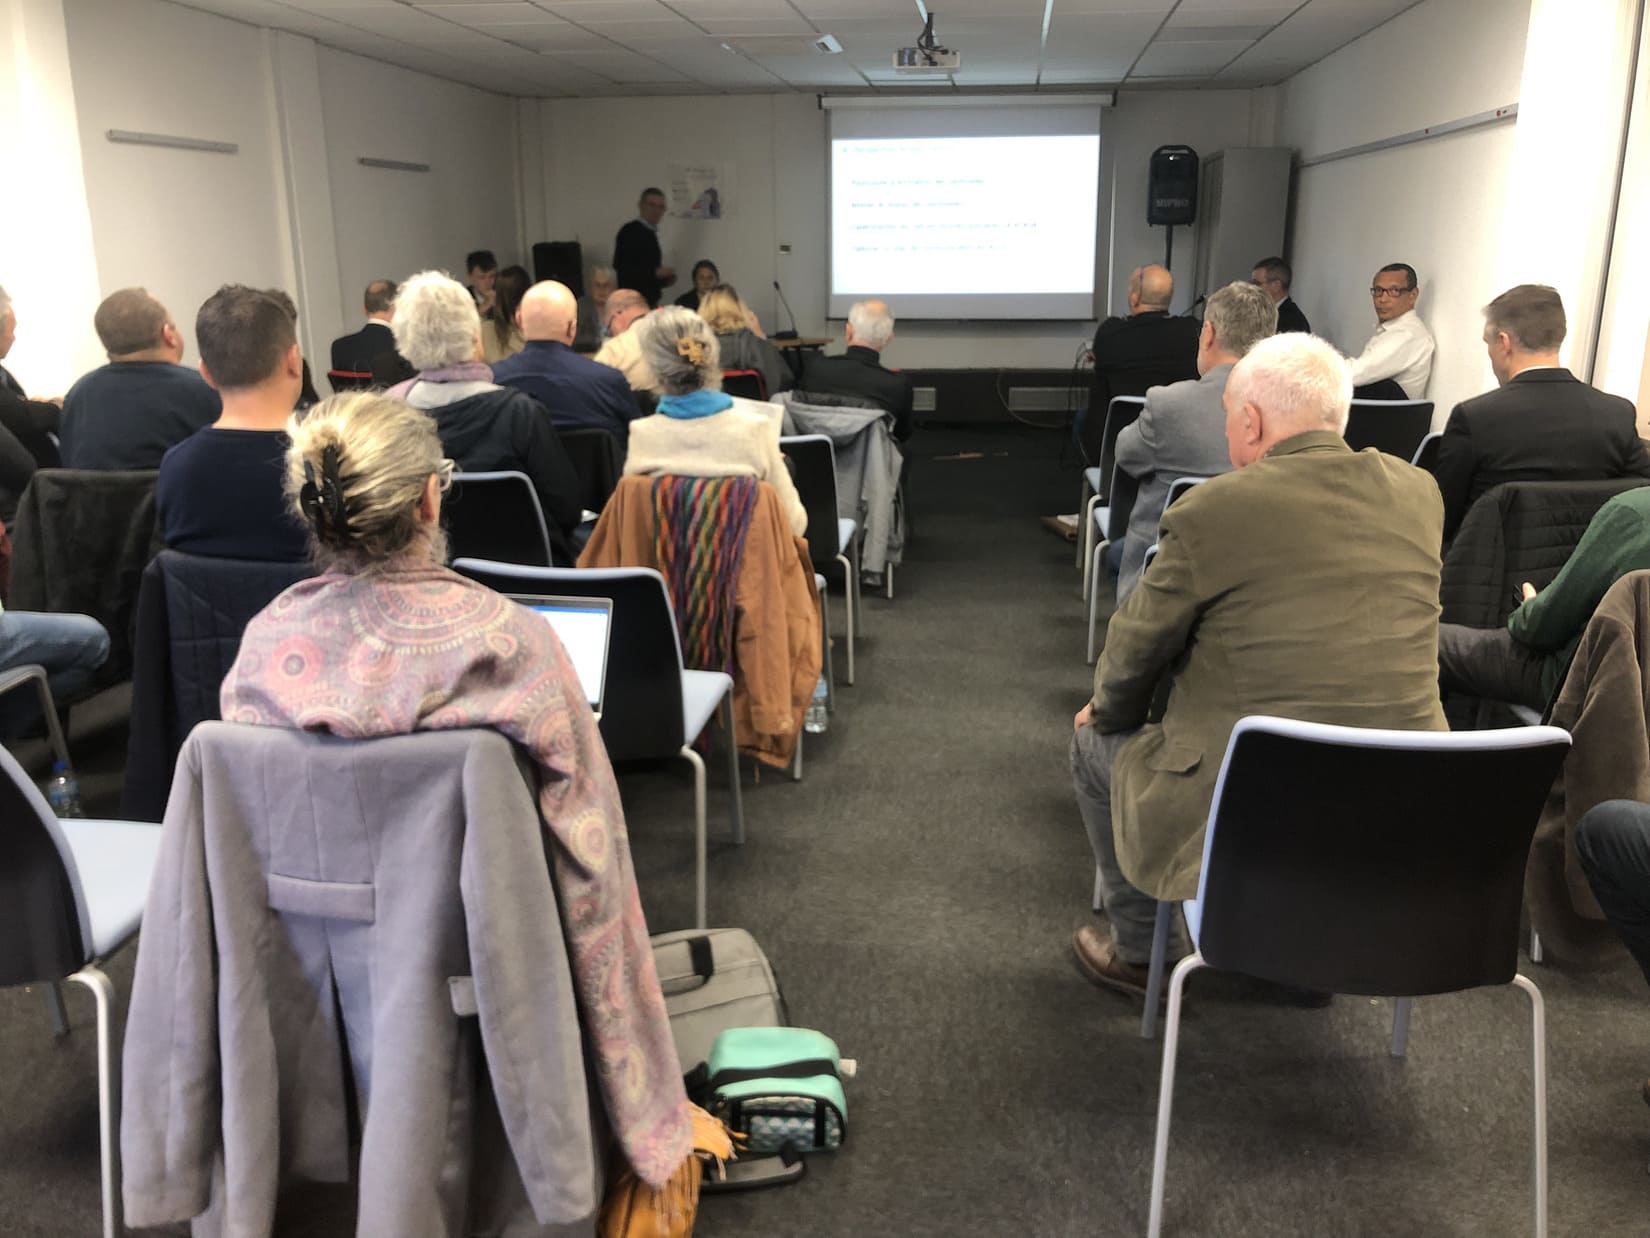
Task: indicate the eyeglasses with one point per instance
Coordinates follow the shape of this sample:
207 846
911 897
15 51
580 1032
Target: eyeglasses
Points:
1378 292
444 474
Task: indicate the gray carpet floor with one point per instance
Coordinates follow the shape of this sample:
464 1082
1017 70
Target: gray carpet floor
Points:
916 893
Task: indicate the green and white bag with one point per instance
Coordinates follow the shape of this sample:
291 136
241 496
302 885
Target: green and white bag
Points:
779 1086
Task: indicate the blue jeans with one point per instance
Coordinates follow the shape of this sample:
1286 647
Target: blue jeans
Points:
69 647
1613 842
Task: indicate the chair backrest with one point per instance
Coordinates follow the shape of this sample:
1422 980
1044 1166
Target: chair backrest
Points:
597 460
1372 861
1394 426
350 380
1178 488
496 516
642 701
1426 455
45 929
1122 492
747 384
813 468
1124 410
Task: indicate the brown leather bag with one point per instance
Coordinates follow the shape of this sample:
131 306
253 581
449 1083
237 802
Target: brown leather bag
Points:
633 1209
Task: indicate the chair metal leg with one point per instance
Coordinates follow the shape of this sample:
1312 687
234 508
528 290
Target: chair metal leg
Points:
1154 974
1400 1025
852 606
796 758
1086 515
1099 903
888 581
1165 1090
1535 946
108 1094
53 993
54 731
1084 494
736 808
698 763
1094 598
1538 1034
830 666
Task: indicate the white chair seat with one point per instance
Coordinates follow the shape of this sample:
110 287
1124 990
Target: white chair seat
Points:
1102 520
1193 911
845 531
702 692
1091 478
113 860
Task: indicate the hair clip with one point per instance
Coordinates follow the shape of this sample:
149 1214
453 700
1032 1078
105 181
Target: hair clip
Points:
692 349
323 501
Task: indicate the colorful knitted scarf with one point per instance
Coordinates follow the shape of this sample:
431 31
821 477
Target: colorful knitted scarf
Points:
699 527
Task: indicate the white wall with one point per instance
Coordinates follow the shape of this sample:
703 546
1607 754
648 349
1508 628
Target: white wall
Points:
598 153
390 224
293 207
1436 205
48 268
178 222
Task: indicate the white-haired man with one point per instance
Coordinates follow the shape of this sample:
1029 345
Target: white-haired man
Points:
858 374
1303 584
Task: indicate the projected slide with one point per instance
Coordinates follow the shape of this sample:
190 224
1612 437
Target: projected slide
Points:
966 226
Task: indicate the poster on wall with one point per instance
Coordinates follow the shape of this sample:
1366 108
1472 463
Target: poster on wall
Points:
702 190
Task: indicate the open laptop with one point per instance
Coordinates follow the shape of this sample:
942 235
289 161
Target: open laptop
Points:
584 626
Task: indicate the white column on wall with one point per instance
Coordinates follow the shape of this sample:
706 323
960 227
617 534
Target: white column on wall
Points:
1562 180
301 147
1623 365
49 267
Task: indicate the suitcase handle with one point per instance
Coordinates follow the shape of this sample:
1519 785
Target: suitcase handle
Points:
704 966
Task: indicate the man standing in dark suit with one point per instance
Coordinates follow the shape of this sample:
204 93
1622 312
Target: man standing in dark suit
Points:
858 374
636 254
1542 423
1146 349
1274 275
357 352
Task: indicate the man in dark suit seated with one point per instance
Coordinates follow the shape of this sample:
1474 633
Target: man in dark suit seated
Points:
1303 584
127 414
1542 423
858 373
1275 275
1148 348
25 425
578 392
368 350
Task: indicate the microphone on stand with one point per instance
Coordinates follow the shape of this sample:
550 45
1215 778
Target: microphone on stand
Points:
792 333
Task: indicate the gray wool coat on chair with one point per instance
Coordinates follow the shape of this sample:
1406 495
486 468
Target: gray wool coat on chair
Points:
385 902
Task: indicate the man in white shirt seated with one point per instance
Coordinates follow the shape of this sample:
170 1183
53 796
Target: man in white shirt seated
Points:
1397 361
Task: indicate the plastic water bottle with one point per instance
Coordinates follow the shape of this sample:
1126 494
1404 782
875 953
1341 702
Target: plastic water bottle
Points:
63 791
816 720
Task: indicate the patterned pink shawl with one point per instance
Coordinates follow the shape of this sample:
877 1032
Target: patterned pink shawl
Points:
416 647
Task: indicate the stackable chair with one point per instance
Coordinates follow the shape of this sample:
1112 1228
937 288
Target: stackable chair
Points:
652 707
1372 862
746 384
1394 426
832 539
1096 488
496 515
1111 524
1426 455
71 895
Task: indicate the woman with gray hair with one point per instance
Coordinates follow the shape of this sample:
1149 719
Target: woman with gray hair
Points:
700 430
483 426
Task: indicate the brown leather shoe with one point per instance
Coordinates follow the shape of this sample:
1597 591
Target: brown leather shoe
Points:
1097 959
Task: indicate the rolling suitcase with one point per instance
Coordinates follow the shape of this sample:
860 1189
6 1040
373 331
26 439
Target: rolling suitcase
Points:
714 979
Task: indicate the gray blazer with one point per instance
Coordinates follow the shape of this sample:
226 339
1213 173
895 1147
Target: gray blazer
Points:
1180 433
388 898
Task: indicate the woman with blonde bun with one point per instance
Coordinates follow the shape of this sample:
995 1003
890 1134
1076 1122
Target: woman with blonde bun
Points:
387 641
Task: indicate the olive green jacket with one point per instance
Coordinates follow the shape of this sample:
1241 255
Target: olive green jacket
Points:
1303 586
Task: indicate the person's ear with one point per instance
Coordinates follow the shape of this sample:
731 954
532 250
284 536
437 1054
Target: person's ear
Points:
1253 422
207 375
429 503
294 362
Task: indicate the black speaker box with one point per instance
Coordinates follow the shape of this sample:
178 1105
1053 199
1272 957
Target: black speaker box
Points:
1171 196
562 261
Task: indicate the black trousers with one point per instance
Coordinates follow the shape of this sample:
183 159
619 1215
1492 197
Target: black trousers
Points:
1613 841
1489 663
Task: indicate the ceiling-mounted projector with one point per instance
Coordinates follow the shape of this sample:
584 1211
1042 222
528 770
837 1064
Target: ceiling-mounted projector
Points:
927 56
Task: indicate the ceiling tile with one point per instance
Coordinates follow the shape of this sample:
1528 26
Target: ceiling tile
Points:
1187 59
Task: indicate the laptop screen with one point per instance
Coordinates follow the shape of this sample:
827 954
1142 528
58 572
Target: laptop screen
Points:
583 625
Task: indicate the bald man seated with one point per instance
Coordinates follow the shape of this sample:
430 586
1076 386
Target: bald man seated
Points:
1148 348
579 392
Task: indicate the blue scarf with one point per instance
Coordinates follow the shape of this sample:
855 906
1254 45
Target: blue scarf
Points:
701 403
